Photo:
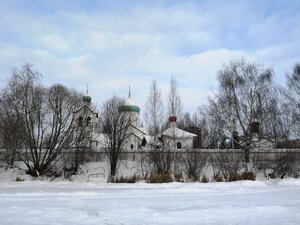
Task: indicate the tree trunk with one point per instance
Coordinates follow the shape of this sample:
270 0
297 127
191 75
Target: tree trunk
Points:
247 158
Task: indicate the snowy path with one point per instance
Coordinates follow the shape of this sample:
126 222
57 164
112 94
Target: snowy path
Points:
213 203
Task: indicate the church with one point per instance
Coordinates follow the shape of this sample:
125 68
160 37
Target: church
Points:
139 139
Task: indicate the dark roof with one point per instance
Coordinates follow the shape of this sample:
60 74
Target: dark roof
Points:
85 107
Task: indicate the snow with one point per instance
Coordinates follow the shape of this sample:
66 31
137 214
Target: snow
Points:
179 133
242 202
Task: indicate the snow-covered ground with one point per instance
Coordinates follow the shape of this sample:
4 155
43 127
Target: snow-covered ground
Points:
243 202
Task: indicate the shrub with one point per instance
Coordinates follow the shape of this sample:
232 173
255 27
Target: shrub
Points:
163 177
248 176
122 179
19 179
218 178
204 179
195 177
178 177
295 175
234 176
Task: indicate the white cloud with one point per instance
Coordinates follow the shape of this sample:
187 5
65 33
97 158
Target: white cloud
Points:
112 49
56 42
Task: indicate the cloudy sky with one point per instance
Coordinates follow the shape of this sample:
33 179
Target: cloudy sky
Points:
110 45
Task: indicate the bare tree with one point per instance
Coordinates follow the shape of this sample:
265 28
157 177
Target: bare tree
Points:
227 163
154 116
47 119
13 121
243 103
187 121
12 126
292 103
174 101
194 162
115 126
278 126
276 164
210 117
175 109
61 104
154 110
50 127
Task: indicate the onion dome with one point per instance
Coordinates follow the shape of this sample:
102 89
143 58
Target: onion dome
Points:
129 105
86 99
172 119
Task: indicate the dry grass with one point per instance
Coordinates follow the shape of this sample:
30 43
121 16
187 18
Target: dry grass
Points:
163 177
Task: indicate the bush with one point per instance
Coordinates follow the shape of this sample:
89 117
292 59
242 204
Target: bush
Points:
234 176
123 179
204 179
195 177
178 177
163 177
218 178
248 176
19 179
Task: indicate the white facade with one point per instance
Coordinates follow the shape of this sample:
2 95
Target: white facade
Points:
86 120
177 138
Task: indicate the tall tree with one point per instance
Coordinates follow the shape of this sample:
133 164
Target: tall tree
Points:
292 103
243 102
174 101
154 117
46 119
115 126
154 110
12 125
175 109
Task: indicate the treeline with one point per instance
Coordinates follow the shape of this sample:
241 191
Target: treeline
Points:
37 123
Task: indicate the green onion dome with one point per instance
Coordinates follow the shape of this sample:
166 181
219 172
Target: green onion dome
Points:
129 106
87 99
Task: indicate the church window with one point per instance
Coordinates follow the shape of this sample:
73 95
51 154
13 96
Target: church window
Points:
144 142
80 120
179 145
131 146
88 121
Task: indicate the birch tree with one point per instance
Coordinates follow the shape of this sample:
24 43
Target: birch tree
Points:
175 109
244 99
154 116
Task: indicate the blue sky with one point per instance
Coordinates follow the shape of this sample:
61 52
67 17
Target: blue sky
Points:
113 44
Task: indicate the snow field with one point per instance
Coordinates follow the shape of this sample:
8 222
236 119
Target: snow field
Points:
243 202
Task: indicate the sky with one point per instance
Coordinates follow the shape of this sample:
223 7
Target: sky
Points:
111 45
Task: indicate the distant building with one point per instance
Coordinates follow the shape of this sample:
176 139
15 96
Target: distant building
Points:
197 142
179 138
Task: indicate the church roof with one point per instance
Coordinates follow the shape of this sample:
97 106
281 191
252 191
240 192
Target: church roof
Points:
178 133
85 107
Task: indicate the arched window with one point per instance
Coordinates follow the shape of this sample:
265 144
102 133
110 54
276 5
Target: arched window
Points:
88 121
179 145
80 120
131 146
144 142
